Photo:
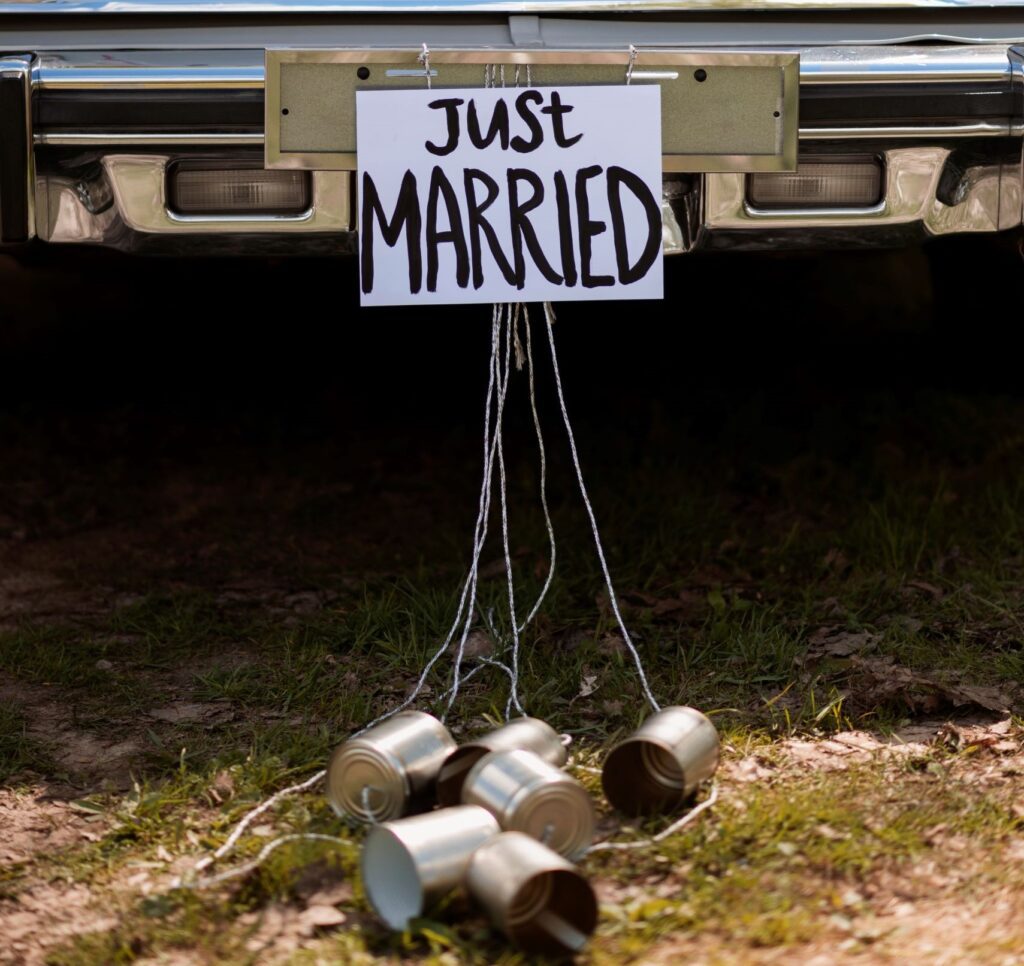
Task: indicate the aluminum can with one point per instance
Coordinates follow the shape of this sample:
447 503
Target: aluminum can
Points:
527 794
411 862
659 766
529 734
390 770
538 899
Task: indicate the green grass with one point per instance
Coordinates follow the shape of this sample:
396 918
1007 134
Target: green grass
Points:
922 547
19 751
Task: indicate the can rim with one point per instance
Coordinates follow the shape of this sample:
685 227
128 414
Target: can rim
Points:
389 763
579 836
672 792
401 881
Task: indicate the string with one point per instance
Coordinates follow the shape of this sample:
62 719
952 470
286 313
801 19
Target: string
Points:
246 867
549 316
632 63
424 59
501 378
479 534
513 695
543 472
676 826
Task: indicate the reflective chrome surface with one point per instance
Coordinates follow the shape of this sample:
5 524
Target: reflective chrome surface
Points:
243 69
22 66
780 113
989 200
473 6
143 138
149 69
67 211
904 132
906 63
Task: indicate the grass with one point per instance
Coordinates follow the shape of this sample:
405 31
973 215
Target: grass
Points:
18 750
725 571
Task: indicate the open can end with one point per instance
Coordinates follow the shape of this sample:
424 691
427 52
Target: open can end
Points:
411 862
391 880
541 901
662 763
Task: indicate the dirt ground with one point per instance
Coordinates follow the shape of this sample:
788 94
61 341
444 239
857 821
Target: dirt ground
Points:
229 538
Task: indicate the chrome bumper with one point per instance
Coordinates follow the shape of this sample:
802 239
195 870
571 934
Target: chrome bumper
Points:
105 183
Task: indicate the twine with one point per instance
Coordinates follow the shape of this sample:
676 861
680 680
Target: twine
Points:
676 826
504 326
424 59
549 316
633 52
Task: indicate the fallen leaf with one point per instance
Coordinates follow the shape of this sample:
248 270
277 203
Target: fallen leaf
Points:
331 895
588 685
495 568
836 561
190 712
478 644
931 590
667 606
882 679
834 642
322 917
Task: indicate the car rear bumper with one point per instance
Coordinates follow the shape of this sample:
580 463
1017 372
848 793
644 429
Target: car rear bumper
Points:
88 136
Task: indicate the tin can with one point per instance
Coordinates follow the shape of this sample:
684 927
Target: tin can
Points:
529 734
409 863
660 765
390 770
527 794
542 902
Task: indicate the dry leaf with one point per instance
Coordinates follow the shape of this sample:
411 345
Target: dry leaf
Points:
322 917
921 691
478 644
833 642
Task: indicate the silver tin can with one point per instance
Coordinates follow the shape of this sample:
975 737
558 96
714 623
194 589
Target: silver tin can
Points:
527 794
660 765
529 734
390 770
409 863
539 900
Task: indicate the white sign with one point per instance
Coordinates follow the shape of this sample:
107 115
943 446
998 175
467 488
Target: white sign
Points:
509 194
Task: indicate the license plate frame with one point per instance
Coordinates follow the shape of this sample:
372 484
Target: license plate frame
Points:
742 117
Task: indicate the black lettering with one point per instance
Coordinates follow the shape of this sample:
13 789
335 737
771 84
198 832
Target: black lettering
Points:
522 229
588 228
565 229
478 224
451 110
498 126
617 178
557 110
406 216
524 111
440 186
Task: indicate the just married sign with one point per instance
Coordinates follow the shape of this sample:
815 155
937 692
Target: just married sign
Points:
509 194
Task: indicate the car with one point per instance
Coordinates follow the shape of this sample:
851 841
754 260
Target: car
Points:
227 126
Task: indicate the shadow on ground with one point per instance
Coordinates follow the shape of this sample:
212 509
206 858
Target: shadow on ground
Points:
235 511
